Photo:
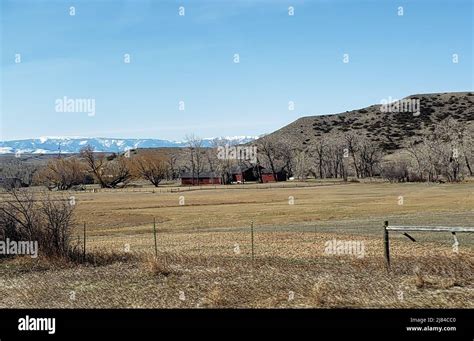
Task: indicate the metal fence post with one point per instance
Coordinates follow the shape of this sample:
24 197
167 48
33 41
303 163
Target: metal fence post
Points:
386 245
84 250
251 233
154 234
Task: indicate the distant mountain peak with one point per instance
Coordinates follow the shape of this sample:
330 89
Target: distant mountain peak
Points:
73 144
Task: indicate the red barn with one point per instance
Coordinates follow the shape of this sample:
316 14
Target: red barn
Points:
205 178
242 174
257 173
267 175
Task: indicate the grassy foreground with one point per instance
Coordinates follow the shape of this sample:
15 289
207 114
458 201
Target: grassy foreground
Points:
205 252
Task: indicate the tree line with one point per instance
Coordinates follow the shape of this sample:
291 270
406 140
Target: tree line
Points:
444 154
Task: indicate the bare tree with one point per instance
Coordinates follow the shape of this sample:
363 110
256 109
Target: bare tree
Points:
95 164
370 155
365 153
286 154
18 215
319 151
334 161
117 172
301 164
56 233
269 149
18 169
151 167
62 173
449 135
211 158
351 145
172 160
110 172
467 145
419 154
222 165
195 154
446 153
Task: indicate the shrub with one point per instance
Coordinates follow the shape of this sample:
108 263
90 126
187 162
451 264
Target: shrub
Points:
158 266
47 221
396 171
62 174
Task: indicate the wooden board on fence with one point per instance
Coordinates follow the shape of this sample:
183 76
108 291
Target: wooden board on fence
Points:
431 228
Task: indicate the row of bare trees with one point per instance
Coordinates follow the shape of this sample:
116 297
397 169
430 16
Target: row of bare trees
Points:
447 153
109 171
199 159
443 154
62 173
18 169
333 156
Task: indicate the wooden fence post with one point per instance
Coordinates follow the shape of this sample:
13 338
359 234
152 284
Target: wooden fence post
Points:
154 233
386 245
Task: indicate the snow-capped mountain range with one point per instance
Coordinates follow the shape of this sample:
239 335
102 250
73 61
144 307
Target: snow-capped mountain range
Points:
49 145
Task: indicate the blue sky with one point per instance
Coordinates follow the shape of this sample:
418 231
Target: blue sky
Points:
189 58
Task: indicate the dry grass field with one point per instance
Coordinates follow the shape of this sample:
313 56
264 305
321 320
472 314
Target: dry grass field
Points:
319 205
204 245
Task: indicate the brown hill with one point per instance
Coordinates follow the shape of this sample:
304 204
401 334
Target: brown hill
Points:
390 129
